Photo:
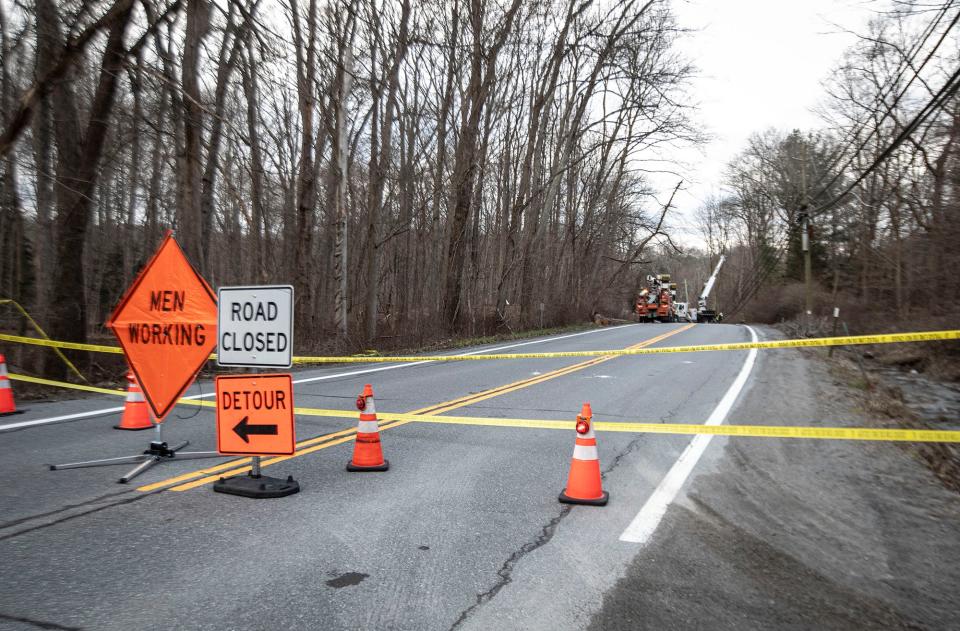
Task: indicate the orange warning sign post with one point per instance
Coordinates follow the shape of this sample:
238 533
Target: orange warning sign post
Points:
167 326
255 415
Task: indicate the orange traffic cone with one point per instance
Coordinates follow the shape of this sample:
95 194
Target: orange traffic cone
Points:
584 485
135 413
367 455
7 406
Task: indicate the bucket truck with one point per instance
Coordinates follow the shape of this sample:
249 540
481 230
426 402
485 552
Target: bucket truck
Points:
655 302
701 313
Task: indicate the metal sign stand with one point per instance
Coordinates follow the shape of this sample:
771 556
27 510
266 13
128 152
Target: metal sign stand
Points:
158 452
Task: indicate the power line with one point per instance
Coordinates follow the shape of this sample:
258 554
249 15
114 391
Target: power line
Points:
770 264
881 96
949 89
905 63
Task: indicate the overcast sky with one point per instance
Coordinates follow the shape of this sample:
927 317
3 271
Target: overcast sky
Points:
760 64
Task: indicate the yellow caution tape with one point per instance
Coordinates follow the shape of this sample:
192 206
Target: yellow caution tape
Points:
185 401
74 346
39 329
63 384
743 431
850 340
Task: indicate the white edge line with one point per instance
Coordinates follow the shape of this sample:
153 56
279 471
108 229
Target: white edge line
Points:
59 419
105 411
648 519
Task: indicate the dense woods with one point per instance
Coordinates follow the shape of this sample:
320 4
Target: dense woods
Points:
412 168
418 169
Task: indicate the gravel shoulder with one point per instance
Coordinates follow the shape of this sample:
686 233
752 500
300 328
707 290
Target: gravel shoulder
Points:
799 534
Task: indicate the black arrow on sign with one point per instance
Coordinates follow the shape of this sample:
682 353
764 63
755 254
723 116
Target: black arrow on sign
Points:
244 429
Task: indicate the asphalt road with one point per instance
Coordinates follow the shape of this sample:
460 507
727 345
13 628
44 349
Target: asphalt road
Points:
464 530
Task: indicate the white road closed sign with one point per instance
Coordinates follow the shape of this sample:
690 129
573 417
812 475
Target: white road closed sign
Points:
255 326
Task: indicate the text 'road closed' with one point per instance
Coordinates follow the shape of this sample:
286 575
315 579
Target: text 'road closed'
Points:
255 325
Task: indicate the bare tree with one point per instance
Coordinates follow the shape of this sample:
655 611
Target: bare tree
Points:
79 150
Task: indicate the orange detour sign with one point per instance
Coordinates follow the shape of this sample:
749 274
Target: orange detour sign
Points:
167 326
255 415
255 418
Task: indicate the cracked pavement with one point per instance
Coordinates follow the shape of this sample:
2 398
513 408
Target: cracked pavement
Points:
463 532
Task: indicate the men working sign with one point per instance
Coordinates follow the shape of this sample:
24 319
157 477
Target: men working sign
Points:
167 326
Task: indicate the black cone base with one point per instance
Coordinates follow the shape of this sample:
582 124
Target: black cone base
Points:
600 501
376 467
12 413
133 429
257 488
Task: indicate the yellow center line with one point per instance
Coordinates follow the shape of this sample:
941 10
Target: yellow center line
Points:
237 467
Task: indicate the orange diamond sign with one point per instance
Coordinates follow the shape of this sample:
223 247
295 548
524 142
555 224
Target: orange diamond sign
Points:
167 326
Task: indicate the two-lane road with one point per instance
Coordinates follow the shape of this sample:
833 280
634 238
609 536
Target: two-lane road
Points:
464 530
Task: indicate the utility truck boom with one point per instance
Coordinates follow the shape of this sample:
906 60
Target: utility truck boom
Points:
703 314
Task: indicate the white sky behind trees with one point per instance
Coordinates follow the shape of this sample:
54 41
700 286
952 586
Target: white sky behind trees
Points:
759 65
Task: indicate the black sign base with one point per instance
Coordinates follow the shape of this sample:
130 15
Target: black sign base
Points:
257 487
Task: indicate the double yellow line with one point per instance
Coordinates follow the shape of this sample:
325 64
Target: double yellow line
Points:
209 475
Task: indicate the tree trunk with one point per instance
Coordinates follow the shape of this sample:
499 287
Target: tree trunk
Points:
306 196
465 160
258 211
191 222
78 156
225 66
136 79
339 154
379 165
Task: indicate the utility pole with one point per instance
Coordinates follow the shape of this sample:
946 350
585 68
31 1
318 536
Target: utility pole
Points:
805 240
805 235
